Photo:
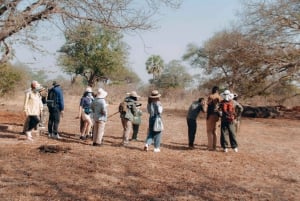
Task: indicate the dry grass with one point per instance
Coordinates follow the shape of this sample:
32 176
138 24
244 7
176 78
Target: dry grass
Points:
265 168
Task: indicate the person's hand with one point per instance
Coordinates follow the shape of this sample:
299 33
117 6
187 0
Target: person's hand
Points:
62 114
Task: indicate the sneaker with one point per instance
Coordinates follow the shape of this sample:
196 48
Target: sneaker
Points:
56 136
82 137
50 135
146 147
235 150
225 150
96 144
156 150
29 136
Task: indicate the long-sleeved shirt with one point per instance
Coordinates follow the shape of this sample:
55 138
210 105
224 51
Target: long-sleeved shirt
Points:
99 108
33 104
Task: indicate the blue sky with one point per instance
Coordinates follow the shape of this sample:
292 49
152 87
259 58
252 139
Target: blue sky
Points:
195 22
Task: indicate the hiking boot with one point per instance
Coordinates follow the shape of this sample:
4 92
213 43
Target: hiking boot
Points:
156 150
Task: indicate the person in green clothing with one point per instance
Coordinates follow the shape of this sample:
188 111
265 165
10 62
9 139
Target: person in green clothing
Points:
136 122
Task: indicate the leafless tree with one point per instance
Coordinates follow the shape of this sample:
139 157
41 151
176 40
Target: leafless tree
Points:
19 15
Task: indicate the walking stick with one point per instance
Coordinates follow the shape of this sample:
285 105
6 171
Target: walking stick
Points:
113 114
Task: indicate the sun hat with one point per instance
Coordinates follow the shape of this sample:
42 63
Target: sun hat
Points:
89 89
101 93
133 94
155 94
227 94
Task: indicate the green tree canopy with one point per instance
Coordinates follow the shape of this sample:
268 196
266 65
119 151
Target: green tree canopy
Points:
93 52
174 75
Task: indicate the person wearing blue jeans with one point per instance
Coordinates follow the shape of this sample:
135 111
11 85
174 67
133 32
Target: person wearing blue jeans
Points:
155 109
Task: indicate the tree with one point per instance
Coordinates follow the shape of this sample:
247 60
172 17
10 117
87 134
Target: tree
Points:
259 56
10 77
174 76
155 66
93 52
20 15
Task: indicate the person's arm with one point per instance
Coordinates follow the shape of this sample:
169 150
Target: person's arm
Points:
25 109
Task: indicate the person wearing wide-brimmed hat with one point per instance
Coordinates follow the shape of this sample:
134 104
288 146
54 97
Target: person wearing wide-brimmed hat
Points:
99 109
127 113
84 113
227 122
154 109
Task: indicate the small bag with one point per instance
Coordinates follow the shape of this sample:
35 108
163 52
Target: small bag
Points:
158 125
136 120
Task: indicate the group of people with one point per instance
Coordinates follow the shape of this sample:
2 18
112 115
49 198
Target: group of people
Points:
222 106
35 102
93 114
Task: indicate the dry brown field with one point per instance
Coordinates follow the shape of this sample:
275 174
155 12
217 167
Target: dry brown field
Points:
267 166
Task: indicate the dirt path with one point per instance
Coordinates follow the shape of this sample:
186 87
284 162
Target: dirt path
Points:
265 168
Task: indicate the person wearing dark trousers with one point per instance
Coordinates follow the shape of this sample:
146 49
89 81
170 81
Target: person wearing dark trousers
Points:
55 105
194 110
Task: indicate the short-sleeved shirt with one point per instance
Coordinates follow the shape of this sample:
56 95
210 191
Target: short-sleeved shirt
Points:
195 108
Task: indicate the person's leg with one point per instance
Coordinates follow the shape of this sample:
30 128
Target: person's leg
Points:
232 137
192 127
127 126
210 132
135 128
56 123
96 133
50 122
89 125
101 128
223 141
26 124
156 139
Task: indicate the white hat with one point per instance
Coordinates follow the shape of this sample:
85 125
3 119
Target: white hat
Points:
89 89
227 94
133 94
101 93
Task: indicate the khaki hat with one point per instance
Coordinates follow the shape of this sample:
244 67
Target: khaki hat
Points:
101 93
133 94
155 94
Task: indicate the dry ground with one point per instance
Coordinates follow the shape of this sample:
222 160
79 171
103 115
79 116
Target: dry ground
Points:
265 168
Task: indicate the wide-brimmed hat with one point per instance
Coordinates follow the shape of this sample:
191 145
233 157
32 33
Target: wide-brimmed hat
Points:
133 94
227 93
155 94
101 93
89 89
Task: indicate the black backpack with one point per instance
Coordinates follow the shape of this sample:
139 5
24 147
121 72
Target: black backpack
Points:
51 99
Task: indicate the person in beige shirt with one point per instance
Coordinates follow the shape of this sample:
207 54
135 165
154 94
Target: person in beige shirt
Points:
33 107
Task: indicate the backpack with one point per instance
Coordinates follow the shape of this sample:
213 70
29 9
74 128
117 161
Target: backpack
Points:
228 111
213 107
51 99
123 107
